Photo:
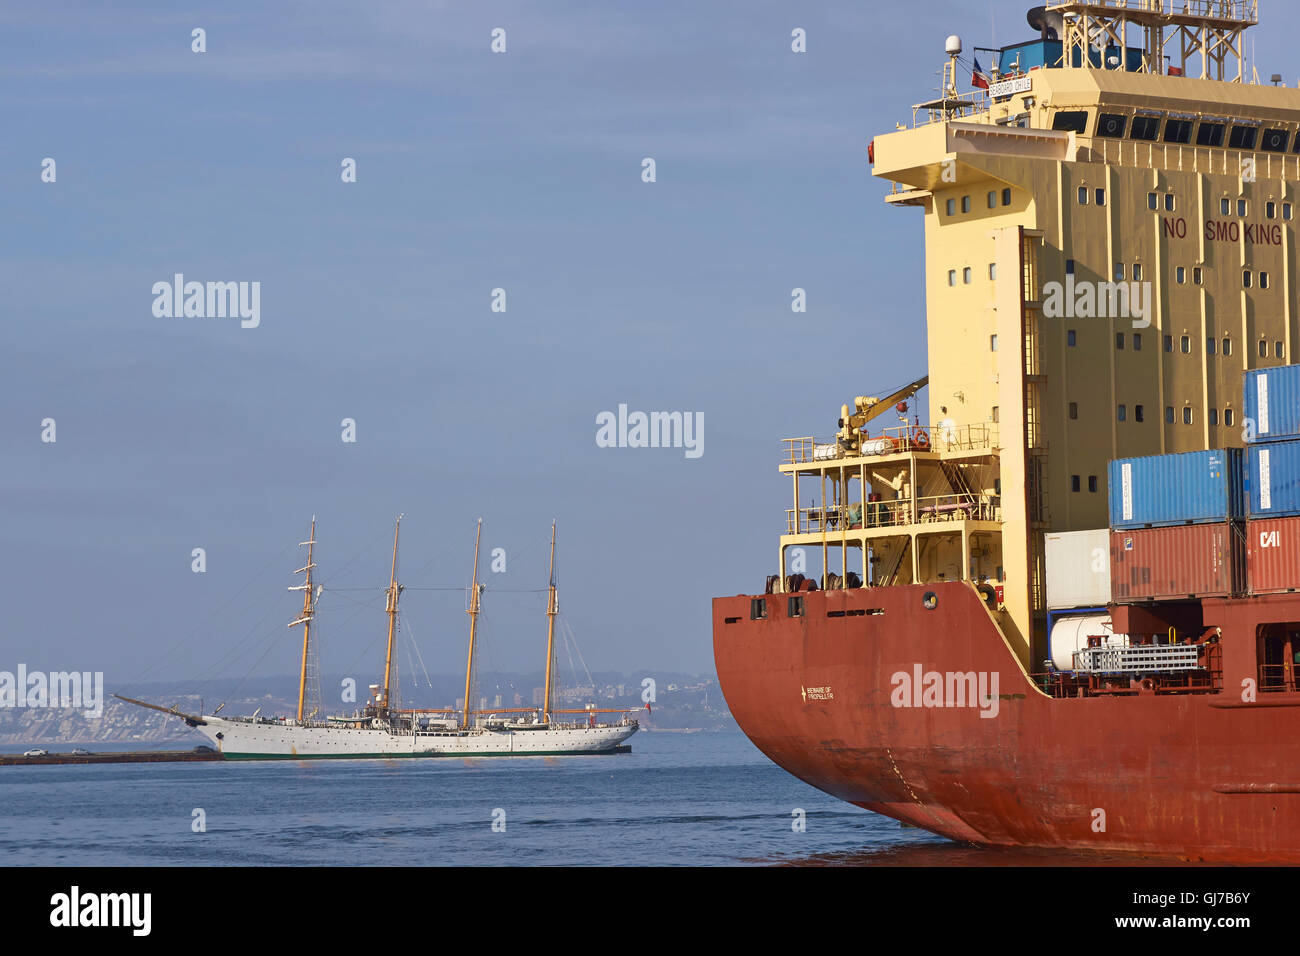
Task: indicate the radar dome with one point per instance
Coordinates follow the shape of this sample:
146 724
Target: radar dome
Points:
953 46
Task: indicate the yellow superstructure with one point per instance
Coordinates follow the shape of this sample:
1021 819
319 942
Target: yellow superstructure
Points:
1107 249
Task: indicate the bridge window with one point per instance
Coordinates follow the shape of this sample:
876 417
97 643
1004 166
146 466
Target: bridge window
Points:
952 276
1119 341
965 203
1074 412
1185 346
1153 201
1112 125
1178 131
1092 483
1286 206
1228 417
1137 272
795 607
1083 195
951 207
1245 279
1100 197
1209 346
1070 338
993 270
1263 349
1214 416
1070 121
1138 413
1197 275
1074 482
1187 414
1263 280
1119 272
1006 197
1242 207
993 343
1145 128
1181 273
1225 206
1069 267
966 275
1169 202
1279 351
993 199
1169 414
1210 134
757 609
1169 343
1227 346
1137 341
1275 140
1243 137
1122 413
1270 210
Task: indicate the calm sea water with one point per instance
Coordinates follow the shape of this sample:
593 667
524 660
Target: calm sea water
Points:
677 799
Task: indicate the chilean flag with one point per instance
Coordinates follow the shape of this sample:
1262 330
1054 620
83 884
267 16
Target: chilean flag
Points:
979 79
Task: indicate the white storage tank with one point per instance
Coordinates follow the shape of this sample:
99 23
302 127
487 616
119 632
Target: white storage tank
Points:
1071 634
1078 569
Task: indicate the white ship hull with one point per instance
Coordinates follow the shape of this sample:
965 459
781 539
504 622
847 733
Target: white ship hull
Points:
243 739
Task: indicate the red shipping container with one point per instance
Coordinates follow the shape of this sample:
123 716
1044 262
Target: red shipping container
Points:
1273 555
1174 564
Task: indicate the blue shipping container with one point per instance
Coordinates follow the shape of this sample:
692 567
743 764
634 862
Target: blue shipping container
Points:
1275 479
1272 402
1193 488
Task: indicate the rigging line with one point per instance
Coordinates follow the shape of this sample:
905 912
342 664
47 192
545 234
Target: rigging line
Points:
569 632
410 636
221 607
349 562
233 653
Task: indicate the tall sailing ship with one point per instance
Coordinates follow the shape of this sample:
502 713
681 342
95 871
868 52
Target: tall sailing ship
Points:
383 729
965 631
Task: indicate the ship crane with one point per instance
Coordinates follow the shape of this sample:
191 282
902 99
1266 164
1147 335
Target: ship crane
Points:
867 408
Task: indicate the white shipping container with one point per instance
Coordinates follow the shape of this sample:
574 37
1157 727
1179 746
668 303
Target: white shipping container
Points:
1078 569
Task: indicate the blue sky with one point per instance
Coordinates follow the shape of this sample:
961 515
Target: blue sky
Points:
475 171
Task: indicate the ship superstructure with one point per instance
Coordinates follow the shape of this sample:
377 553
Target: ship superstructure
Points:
382 728
1110 226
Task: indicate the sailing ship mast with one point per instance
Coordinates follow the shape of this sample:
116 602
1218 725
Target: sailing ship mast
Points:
308 612
551 610
475 589
394 589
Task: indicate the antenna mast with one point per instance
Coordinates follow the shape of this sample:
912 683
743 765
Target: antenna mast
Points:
308 612
394 589
551 610
475 590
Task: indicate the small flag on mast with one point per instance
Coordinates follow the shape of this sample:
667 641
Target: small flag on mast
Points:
979 79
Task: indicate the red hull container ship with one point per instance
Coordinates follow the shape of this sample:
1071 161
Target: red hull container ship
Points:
1086 224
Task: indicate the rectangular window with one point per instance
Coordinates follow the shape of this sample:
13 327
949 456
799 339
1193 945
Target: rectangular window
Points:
1138 413
1242 208
1071 121
1137 341
1119 341
965 203
1263 349
795 607
1070 338
1153 201
1178 131
1169 202
1169 343
1243 137
952 276
993 343
1074 411
757 609
952 207
994 416
1083 195
1074 482
1270 209
1119 272
1279 351
1111 125
1092 483
1286 206
1227 346
1198 276
1214 416
966 275
1145 128
1209 134
993 270
1100 196
1182 275
1137 272
1275 140
1006 197
1069 267
1121 413
1245 279
993 199
1263 280
1187 414
1209 346
1225 206
1185 345
1228 417
1169 414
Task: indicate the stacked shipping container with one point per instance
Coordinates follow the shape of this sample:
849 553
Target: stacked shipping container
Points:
1272 403
1176 526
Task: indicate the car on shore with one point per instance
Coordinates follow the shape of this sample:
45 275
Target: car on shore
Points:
36 752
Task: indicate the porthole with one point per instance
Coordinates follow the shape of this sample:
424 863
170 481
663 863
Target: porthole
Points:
930 601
